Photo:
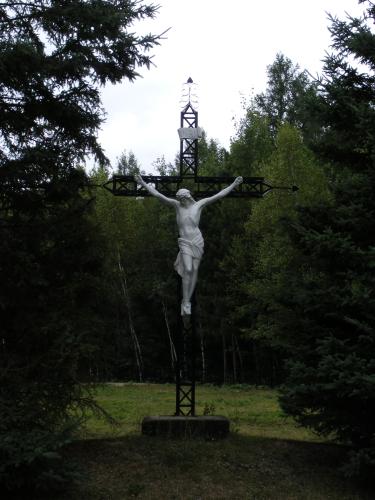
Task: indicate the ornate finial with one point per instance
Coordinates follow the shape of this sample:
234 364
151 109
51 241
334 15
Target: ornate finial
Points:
188 94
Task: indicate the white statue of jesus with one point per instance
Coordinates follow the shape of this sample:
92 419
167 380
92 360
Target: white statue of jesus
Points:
190 241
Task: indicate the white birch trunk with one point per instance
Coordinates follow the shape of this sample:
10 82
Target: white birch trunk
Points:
133 333
171 344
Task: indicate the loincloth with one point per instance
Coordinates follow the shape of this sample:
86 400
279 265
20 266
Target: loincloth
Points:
193 247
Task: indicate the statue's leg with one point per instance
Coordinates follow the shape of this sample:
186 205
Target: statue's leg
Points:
186 284
194 277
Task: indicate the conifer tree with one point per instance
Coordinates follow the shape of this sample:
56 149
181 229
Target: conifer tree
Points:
54 57
331 383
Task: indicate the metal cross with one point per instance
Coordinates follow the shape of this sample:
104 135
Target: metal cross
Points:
252 187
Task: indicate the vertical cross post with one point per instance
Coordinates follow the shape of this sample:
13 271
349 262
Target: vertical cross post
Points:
186 363
186 344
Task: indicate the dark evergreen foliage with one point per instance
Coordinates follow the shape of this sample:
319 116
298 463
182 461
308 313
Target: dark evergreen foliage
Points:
331 383
54 56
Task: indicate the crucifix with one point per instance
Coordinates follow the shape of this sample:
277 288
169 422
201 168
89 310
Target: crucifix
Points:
170 190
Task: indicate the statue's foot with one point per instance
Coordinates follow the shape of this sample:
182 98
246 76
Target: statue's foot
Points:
185 308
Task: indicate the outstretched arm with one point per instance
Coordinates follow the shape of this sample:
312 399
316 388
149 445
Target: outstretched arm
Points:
155 192
207 201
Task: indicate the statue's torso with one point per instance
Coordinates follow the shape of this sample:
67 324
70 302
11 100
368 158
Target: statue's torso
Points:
188 221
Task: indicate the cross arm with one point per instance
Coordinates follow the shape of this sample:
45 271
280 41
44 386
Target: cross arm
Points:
252 187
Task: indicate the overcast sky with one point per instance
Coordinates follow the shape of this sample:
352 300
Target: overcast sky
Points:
225 46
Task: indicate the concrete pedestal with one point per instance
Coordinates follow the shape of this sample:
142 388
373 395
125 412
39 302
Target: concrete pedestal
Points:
209 427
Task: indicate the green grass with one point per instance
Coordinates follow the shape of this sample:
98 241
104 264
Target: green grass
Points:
253 412
265 457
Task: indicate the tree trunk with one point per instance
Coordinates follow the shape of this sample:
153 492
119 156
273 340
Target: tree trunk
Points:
239 358
234 361
203 356
224 355
171 344
133 334
256 364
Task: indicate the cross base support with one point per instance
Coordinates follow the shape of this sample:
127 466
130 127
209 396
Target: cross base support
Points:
208 427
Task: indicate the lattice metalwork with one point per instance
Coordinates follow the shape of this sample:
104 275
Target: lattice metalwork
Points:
185 366
185 399
252 187
189 146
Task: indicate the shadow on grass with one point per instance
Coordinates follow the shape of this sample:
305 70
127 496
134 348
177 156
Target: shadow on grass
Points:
239 467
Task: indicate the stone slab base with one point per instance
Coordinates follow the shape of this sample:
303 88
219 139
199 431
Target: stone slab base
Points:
209 427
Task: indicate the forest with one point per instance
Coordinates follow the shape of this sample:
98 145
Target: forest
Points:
88 291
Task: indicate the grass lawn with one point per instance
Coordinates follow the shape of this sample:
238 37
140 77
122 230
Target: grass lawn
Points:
265 457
